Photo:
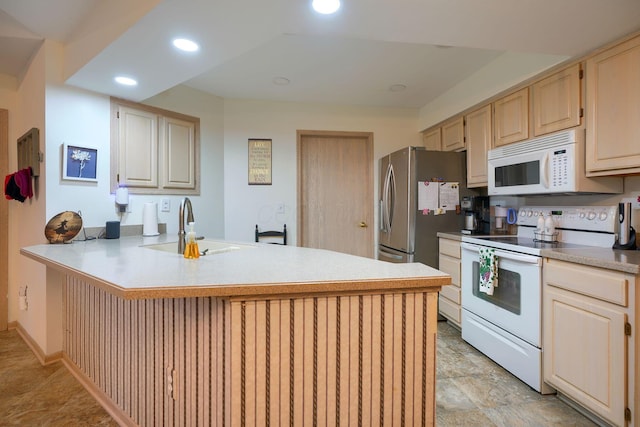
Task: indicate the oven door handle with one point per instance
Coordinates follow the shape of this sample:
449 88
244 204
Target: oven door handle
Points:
528 259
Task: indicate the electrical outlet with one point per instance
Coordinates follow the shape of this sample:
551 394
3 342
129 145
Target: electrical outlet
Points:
166 205
636 201
23 303
280 208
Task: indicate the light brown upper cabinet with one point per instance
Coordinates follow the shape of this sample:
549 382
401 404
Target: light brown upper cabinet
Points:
613 110
137 160
179 156
556 101
479 139
453 135
432 139
511 115
153 151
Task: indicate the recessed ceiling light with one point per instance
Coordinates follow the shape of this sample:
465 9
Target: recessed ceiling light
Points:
326 7
186 45
281 81
397 88
126 81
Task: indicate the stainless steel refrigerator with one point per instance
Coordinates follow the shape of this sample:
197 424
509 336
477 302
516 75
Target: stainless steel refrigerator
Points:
406 235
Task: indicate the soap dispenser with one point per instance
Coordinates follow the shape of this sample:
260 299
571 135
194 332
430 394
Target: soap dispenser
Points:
549 228
540 225
191 250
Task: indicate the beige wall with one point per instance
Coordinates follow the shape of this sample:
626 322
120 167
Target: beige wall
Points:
27 219
247 205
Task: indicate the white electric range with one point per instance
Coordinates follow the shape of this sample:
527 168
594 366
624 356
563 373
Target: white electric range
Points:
507 325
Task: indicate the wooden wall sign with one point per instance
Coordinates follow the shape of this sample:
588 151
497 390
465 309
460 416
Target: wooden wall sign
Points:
259 162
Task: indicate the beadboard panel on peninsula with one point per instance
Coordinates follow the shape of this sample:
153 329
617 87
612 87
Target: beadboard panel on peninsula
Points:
365 358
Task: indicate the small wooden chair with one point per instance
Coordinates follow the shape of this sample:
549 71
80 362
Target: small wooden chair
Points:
263 234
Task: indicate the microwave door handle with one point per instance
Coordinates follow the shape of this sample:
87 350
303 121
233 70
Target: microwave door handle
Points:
545 170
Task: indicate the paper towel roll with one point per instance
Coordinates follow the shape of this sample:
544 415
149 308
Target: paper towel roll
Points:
150 219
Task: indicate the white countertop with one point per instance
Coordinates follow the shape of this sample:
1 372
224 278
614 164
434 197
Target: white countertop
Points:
128 269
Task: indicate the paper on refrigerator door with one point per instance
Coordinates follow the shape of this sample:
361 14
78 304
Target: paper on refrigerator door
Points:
449 195
427 196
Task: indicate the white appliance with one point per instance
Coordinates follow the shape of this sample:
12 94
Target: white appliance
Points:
507 325
548 164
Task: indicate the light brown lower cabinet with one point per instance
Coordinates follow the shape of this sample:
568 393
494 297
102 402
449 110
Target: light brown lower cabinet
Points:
450 299
590 354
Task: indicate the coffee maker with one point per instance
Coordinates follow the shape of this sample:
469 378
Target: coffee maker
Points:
477 215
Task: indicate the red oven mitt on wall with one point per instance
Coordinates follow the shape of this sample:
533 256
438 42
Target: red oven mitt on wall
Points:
11 189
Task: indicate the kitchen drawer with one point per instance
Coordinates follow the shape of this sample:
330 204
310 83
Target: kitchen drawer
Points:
606 285
450 247
450 310
453 293
451 266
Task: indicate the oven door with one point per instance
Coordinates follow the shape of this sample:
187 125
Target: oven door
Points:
515 305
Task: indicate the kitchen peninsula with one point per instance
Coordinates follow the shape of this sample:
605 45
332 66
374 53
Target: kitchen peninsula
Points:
248 334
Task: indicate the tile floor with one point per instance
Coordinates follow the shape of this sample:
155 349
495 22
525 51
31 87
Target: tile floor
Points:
471 391
36 395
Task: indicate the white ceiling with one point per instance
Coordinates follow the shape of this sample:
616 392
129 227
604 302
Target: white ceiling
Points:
353 57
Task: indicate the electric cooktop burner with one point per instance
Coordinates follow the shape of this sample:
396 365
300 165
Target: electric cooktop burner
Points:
520 244
577 227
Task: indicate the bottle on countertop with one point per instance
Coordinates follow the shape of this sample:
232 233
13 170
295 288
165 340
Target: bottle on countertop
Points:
191 250
540 226
549 226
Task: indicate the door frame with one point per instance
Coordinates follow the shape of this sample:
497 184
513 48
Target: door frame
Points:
341 134
4 223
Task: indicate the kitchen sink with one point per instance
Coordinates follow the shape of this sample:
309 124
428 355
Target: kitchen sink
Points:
209 246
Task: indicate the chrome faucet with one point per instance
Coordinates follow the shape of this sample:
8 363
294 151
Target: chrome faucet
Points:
185 203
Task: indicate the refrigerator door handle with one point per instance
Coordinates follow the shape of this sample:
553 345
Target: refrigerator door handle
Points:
384 203
386 254
391 197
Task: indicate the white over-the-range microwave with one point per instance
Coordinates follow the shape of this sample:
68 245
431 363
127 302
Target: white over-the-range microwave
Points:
548 164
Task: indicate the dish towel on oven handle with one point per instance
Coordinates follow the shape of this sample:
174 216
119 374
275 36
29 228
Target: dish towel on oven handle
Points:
488 270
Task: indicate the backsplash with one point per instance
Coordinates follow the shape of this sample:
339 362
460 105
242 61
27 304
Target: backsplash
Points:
631 194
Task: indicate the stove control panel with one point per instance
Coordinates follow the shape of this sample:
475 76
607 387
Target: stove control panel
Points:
583 218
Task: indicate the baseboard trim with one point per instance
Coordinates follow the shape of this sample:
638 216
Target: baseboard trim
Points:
12 325
584 411
103 399
44 359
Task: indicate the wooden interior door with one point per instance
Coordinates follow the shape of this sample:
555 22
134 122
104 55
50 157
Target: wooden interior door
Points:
335 191
4 222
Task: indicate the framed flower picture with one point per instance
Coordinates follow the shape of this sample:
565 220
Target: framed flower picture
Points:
79 163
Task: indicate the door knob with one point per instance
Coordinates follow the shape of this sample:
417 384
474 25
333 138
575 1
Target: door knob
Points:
363 224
